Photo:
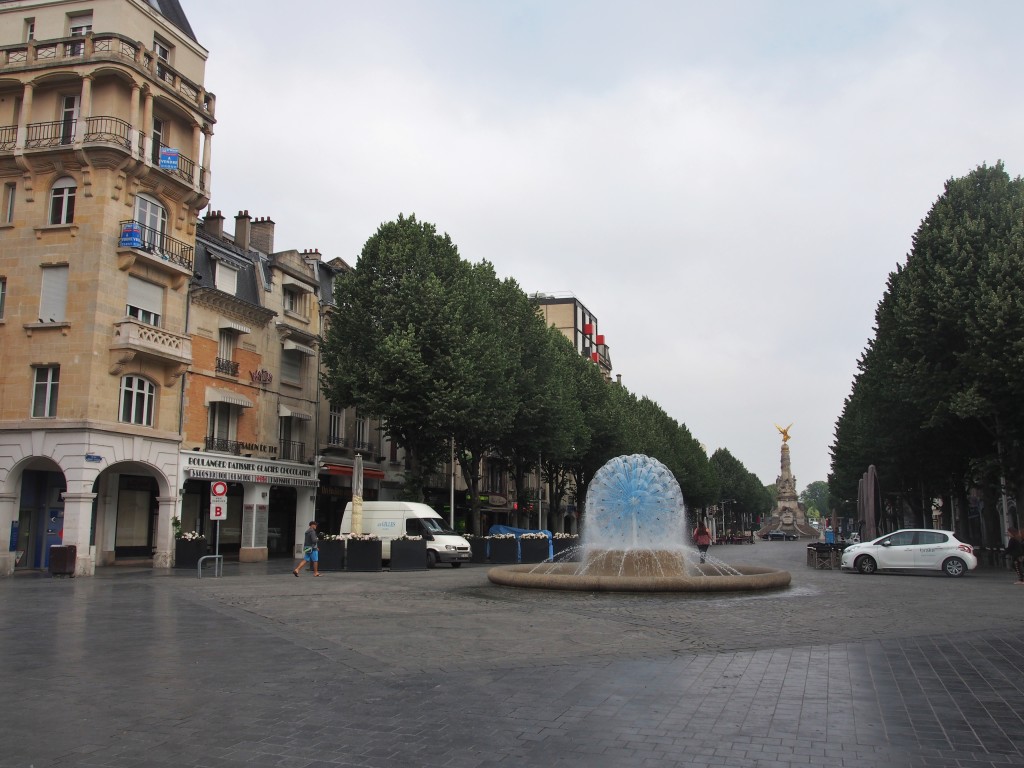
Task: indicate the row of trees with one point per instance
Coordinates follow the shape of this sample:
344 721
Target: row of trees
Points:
936 402
441 349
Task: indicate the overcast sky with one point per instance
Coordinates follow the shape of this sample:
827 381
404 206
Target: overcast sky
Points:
726 186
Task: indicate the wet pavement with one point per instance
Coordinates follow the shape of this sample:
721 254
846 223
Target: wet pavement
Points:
441 668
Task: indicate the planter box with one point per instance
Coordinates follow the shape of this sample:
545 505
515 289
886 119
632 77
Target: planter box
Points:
534 550
332 556
362 555
187 553
409 555
479 550
566 550
500 551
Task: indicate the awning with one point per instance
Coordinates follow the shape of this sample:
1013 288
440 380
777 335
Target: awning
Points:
284 410
289 344
345 469
214 395
296 284
231 325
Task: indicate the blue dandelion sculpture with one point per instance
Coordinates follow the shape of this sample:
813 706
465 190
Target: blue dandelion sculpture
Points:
634 502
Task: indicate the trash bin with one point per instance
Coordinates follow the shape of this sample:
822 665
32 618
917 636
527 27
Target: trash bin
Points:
62 559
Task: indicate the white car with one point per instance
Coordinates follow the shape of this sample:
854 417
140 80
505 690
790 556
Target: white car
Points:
911 549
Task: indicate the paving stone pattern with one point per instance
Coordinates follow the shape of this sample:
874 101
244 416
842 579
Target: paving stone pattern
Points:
441 668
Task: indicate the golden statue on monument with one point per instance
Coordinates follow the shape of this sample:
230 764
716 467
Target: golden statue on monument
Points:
784 432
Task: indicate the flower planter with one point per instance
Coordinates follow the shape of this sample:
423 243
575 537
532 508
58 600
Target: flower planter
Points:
187 553
503 551
566 550
362 555
408 555
479 549
534 550
332 556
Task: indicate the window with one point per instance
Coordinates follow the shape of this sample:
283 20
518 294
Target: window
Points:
137 397
222 426
62 201
8 210
30 29
225 278
3 295
901 539
53 296
153 218
78 26
291 366
145 301
163 56
294 301
68 118
158 138
44 392
336 425
362 433
926 538
226 344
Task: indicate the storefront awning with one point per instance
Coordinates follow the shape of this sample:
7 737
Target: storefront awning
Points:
289 344
344 469
284 410
231 325
214 395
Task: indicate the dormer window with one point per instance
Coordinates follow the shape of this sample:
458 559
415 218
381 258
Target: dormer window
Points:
226 278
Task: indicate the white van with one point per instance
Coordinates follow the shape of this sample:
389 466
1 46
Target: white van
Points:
391 519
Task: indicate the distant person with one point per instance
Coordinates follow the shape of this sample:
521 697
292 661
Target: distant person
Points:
310 551
1015 553
702 538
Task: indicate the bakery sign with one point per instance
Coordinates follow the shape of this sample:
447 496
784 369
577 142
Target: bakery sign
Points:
199 467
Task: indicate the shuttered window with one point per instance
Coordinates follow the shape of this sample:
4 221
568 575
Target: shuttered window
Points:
53 297
145 301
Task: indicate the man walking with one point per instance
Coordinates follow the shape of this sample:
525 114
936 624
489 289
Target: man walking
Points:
310 551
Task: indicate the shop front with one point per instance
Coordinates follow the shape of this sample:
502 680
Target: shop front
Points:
270 503
335 492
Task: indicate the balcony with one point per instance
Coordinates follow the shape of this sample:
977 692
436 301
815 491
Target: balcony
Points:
133 340
223 446
227 367
134 241
290 450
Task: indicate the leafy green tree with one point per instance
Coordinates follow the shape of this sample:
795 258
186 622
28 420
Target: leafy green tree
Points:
816 497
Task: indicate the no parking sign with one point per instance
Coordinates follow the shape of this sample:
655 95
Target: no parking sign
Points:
218 500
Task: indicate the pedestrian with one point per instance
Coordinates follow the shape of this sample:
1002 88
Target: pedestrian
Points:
702 538
310 551
1015 553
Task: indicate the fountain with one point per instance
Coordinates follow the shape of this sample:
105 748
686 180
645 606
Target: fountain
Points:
637 540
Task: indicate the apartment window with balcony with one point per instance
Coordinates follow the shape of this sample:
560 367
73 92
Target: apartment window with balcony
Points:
53 295
225 278
46 382
222 425
79 25
153 218
145 301
336 425
362 433
62 201
158 139
162 49
10 190
69 107
137 398
226 343
495 477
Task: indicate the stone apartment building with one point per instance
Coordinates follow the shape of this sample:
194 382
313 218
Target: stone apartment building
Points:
105 146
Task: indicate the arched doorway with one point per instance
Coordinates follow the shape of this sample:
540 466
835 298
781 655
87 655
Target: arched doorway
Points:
40 516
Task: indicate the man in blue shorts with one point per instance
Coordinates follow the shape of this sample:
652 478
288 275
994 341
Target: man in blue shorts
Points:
310 551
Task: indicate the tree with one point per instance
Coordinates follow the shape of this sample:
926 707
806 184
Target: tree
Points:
394 346
815 497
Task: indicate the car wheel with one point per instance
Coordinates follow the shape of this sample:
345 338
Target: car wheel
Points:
867 564
456 565
954 566
431 558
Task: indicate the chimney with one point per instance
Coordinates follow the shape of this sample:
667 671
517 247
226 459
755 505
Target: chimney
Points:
263 235
242 227
213 224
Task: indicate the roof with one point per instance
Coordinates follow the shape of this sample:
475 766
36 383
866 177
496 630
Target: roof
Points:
172 11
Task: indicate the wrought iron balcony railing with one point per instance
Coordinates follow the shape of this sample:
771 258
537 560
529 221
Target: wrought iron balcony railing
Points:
55 133
290 450
230 367
142 238
222 445
337 440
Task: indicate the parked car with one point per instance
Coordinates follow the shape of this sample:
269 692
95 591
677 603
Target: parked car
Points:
911 549
780 536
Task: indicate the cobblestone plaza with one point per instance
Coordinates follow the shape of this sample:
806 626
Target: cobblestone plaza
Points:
442 668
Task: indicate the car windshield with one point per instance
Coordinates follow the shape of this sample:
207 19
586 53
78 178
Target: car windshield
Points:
436 525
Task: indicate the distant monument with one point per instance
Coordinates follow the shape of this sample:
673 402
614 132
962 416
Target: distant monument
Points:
788 516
